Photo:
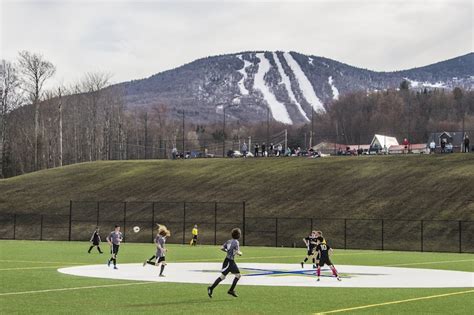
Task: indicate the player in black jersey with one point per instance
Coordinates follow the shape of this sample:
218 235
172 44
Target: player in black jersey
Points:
323 251
95 241
310 242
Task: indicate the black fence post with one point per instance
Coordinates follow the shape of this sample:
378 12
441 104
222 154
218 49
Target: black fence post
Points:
98 211
460 236
152 219
421 238
276 232
70 219
124 219
184 223
41 228
345 233
215 223
243 223
14 226
382 236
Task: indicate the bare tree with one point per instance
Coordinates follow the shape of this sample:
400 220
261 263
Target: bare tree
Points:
36 70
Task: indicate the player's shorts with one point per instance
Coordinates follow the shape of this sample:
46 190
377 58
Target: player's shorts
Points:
115 249
159 253
324 261
195 237
160 259
229 265
310 251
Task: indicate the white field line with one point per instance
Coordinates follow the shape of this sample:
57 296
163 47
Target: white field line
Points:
31 268
394 302
430 262
76 288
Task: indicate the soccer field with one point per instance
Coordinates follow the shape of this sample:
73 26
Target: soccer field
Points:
31 283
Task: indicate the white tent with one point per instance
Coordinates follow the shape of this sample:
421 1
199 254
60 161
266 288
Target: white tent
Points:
383 141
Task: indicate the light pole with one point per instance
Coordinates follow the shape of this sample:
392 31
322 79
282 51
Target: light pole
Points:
223 133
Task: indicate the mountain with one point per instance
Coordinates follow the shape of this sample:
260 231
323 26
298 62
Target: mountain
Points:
284 85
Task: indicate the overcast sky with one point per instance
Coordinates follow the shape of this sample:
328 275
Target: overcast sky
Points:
135 39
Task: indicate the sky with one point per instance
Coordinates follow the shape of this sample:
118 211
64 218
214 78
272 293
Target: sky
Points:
135 39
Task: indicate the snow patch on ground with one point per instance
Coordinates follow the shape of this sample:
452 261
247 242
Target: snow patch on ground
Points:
243 89
305 86
277 109
286 81
335 91
417 84
310 60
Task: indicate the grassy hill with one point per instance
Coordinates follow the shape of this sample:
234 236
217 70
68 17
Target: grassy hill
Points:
409 187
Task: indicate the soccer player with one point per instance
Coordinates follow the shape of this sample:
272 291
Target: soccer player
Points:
310 242
323 251
95 240
160 242
232 248
195 235
114 239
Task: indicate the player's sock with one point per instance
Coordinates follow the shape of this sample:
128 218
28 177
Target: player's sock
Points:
314 261
234 283
318 272
162 268
218 280
90 248
115 261
306 259
100 251
151 258
334 271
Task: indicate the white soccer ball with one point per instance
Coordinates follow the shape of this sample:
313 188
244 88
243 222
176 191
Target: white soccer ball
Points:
136 229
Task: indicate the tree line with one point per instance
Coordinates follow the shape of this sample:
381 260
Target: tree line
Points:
88 121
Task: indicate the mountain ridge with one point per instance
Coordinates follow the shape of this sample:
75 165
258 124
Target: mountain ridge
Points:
288 85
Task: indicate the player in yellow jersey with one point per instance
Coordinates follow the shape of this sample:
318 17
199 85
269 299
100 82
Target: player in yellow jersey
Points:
195 236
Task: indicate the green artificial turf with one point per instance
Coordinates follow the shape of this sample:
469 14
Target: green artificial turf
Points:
32 266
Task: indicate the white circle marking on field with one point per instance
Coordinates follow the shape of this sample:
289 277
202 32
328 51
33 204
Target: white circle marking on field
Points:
284 275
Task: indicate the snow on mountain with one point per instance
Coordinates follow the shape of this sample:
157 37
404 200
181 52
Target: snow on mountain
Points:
335 91
286 81
289 84
277 109
305 86
243 89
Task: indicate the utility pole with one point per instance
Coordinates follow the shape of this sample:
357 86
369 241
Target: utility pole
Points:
223 133
184 154
312 129
268 126
146 134
60 129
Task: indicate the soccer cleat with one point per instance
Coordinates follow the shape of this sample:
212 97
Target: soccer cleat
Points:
302 264
144 264
232 293
115 267
317 279
161 275
209 292
314 267
108 263
338 278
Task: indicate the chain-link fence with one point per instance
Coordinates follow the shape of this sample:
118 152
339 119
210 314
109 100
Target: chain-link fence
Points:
216 219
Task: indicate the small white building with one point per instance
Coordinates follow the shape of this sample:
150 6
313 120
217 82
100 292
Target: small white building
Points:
383 142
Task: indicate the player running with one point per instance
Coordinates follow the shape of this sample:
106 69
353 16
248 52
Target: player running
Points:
195 236
324 251
310 242
95 240
232 248
160 241
114 239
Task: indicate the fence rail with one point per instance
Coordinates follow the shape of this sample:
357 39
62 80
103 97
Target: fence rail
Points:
216 219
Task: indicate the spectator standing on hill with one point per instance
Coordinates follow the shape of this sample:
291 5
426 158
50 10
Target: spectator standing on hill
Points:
270 149
443 145
466 144
279 149
264 148
256 150
95 240
174 153
244 149
432 146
